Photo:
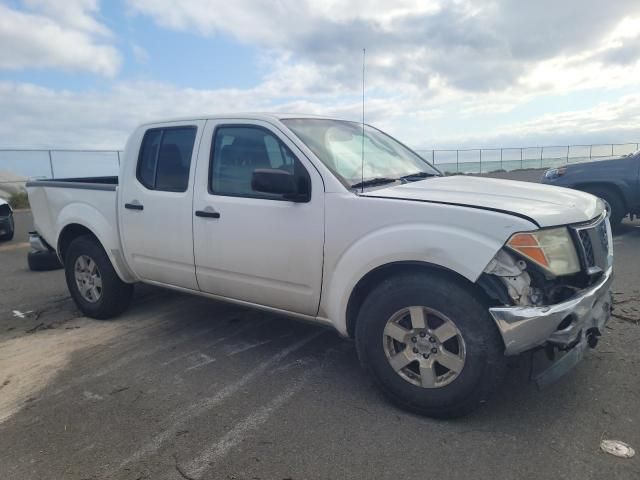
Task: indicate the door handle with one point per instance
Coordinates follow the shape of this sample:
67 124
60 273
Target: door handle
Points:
134 206
207 214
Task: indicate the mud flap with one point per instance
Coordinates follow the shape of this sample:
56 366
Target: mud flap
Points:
563 365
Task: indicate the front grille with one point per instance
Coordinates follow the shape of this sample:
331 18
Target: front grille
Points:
587 248
604 234
593 245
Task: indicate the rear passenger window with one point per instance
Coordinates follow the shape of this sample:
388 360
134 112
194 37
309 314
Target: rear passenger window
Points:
165 158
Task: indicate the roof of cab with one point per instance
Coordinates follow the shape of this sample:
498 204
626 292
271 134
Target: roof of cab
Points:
241 116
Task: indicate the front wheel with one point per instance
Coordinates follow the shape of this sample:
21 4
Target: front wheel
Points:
430 344
93 283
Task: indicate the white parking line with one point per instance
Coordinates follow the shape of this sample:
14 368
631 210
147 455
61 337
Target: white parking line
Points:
246 346
215 451
248 325
206 360
174 423
218 449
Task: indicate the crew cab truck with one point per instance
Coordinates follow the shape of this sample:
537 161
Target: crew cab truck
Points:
437 279
616 181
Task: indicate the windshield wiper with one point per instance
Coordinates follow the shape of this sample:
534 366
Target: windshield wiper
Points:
373 181
413 177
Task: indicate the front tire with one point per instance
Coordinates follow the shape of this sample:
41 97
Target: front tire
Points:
430 344
93 283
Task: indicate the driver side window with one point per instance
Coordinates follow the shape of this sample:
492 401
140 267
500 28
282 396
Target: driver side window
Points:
239 150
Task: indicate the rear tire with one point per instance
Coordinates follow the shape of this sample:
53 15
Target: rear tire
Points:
614 202
41 261
447 393
92 281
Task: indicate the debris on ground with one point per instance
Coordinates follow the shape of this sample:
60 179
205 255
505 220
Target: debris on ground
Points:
617 448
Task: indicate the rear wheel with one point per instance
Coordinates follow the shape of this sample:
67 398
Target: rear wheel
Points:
613 200
430 344
41 261
93 283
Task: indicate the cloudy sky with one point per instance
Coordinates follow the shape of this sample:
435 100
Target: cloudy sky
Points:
459 73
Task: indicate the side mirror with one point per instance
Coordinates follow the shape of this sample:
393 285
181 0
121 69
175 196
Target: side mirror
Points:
279 182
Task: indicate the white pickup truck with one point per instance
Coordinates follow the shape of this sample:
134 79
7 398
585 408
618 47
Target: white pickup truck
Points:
438 279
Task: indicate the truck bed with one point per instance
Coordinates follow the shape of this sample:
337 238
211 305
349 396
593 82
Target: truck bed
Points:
90 202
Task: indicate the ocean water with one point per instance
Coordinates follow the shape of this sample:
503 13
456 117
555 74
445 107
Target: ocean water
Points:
65 163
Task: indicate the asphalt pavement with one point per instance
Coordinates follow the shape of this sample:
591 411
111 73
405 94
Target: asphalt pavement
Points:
182 387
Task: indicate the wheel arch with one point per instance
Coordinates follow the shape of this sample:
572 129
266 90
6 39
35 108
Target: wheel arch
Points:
374 277
73 230
68 234
614 187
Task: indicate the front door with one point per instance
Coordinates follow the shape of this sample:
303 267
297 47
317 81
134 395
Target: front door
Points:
253 246
156 204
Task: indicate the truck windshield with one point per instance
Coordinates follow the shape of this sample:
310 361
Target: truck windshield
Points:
339 144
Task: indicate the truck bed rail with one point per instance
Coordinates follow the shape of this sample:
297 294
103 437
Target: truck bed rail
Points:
84 183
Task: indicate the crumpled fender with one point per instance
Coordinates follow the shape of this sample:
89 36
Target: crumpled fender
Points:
455 248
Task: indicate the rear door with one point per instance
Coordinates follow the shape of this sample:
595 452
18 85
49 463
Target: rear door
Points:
253 246
155 203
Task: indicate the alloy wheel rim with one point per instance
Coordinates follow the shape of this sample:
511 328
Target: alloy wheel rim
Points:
424 347
88 278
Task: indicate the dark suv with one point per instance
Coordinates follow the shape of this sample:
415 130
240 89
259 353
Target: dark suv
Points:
616 181
6 221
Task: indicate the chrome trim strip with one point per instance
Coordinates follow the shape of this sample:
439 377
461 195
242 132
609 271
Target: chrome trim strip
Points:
76 185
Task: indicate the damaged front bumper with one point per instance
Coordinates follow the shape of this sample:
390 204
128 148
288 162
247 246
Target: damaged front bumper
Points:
564 325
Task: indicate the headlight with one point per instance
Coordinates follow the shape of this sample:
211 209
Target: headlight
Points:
555 172
552 249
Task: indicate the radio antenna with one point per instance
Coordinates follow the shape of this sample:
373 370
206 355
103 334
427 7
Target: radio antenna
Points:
364 51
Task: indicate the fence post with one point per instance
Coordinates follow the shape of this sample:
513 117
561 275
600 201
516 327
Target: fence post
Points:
501 160
480 160
457 161
590 151
520 158
612 149
51 164
433 157
568 153
541 150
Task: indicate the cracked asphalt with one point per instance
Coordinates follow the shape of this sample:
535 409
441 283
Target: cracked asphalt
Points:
187 388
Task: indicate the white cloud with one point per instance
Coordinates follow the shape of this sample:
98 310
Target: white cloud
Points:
77 14
430 65
104 119
464 45
61 35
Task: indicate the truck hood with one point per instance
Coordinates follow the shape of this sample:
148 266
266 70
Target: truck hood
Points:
544 205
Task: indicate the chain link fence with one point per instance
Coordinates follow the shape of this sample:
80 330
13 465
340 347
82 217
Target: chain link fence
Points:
487 160
18 165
